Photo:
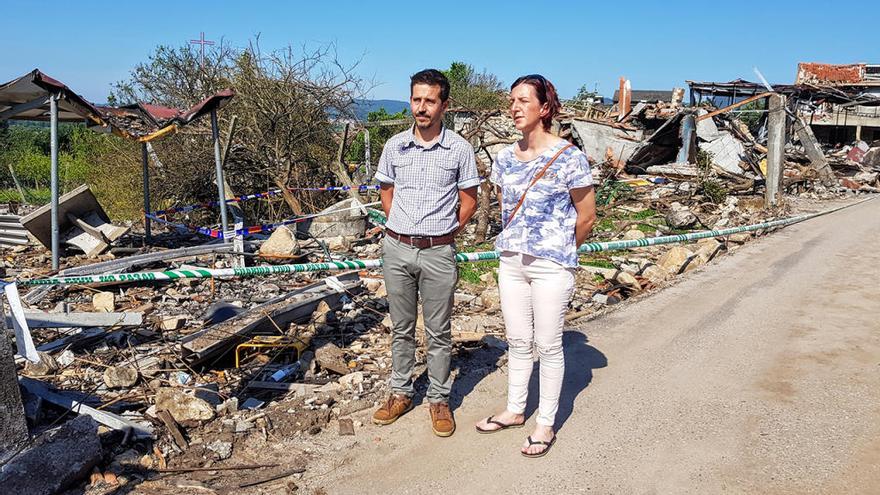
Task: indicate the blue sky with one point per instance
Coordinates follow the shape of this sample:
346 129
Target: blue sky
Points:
658 45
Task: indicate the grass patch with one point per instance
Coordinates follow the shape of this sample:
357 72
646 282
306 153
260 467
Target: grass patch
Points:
39 196
643 215
599 263
606 224
471 272
598 260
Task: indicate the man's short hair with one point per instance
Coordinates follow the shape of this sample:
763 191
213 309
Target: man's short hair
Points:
431 77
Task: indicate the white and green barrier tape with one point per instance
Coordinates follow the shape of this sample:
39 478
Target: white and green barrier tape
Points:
258 271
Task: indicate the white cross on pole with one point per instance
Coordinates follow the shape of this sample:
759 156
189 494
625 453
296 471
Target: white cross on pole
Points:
201 41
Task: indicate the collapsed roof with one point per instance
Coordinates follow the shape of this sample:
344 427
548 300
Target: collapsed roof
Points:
27 98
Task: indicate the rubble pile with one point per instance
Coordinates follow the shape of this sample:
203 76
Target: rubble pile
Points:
147 371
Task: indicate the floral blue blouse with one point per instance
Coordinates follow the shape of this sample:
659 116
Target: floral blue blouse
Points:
544 225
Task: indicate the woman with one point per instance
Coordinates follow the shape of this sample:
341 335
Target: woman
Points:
548 209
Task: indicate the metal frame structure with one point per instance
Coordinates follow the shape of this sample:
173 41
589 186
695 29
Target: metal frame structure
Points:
36 96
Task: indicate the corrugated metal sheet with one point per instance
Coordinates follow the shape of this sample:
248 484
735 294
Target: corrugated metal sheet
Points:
141 119
33 85
11 231
133 121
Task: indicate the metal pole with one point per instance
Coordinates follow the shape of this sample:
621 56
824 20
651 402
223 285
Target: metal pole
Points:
148 237
53 132
221 190
367 168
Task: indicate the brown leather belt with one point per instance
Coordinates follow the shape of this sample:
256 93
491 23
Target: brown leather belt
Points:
422 241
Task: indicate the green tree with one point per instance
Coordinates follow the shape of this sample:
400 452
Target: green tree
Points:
286 104
751 114
474 90
584 98
378 136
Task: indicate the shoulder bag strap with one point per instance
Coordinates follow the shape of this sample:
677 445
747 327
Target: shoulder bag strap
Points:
534 180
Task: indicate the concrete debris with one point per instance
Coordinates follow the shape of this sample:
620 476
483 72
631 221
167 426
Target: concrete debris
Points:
633 234
44 367
603 299
13 427
681 219
655 274
186 409
727 152
330 357
352 380
120 377
172 323
57 459
82 221
740 238
282 243
338 243
221 448
628 279
104 301
490 299
694 262
707 249
322 313
674 259
346 427
84 319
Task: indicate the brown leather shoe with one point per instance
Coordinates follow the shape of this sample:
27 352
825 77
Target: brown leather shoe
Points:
442 421
393 408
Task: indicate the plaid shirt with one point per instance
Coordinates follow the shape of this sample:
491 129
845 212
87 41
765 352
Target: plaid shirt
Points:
426 181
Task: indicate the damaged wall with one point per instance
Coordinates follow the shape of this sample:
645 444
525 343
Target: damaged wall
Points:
596 138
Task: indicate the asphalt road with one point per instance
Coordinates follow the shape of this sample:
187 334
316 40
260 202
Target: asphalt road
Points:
759 373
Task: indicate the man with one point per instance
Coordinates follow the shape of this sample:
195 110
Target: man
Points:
429 182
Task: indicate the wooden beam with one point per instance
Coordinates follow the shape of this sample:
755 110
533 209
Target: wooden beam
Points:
731 107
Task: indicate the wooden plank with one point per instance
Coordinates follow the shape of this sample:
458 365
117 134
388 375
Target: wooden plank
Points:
108 419
174 429
731 107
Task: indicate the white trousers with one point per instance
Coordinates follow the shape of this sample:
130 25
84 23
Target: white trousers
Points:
534 298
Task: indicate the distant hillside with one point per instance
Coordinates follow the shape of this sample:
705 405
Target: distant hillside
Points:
363 107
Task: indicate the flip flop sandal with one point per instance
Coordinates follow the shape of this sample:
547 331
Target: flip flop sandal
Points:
501 425
541 453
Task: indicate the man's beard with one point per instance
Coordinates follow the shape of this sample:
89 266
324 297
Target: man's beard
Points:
424 124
